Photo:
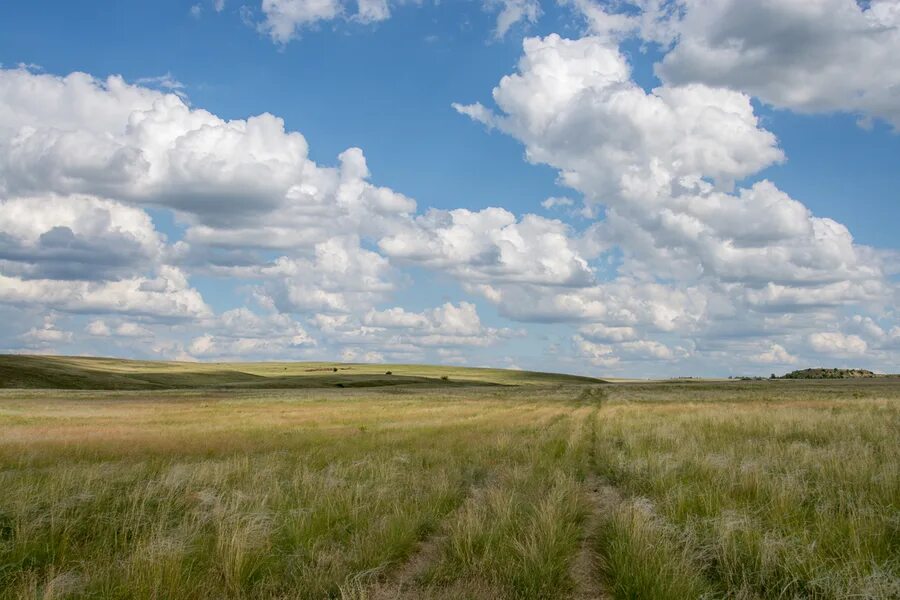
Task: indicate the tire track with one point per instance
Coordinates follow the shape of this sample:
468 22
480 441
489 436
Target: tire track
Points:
402 581
586 568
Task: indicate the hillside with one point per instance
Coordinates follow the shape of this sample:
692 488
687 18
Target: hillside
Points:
87 373
828 374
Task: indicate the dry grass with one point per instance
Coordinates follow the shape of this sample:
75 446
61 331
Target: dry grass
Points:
764 490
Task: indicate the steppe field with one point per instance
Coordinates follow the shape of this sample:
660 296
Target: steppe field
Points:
127 479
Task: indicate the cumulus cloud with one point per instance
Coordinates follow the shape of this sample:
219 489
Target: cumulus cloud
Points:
804 55
241 333
691 250
663 165
356 355
243 188
75 237
622 140
46 336
836 343
680 255
124 329
229 178
612 355
446 326
598 332
448 333
341 277
491 245
774 355
98 328
167 296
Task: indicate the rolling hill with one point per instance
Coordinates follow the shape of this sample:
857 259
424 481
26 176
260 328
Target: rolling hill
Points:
94 373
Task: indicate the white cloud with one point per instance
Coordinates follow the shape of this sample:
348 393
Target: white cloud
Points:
128 329
867 328
491 245
242 187
166 296
76 134
341 277
451 329
77 237
446 326
645 350
663 164
163 82
372 11
805 55
836 343
356 355
775 355
557 201
598 332
98 328
241 333
45 336
687 261
396 318
613 353
125 329
283 18
512 12
575 107
600 355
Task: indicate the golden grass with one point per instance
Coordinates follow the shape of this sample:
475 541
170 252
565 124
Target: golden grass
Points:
750 490
97 373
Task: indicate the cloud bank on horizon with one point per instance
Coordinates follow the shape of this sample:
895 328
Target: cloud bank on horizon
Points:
673 253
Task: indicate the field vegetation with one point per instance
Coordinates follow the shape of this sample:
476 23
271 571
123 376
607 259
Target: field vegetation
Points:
488 484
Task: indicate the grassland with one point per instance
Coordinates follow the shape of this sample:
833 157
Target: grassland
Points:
95 373
509 486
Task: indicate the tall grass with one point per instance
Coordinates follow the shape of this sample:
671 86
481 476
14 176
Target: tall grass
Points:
777 500
771 491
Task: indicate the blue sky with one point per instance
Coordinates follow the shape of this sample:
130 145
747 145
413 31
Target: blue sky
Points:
387 87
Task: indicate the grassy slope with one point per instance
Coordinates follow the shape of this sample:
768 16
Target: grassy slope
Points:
62 372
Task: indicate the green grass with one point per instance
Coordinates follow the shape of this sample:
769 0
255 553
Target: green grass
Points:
90 373
786 489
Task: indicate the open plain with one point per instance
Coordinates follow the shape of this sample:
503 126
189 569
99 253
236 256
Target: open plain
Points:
296 480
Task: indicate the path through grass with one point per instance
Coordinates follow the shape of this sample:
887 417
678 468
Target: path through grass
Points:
763 490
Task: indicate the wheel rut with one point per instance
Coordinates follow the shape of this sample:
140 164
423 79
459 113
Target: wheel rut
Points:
403 581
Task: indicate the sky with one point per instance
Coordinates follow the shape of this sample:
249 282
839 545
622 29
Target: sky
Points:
632 188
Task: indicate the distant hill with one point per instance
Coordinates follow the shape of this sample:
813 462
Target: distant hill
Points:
95 373
828 374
